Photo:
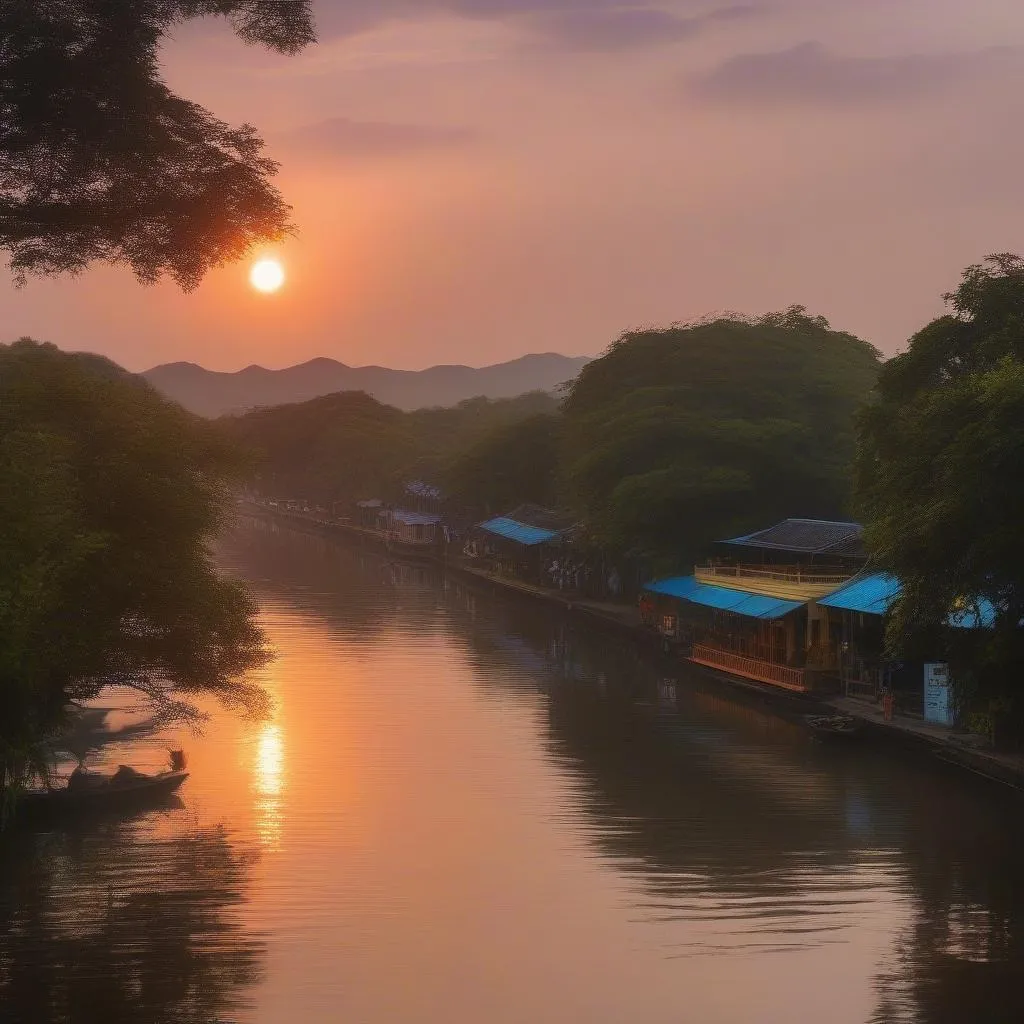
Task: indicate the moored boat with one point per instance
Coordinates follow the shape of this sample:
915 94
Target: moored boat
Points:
834 726
86 791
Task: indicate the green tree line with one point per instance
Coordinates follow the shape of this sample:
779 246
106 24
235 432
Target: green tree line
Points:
670 438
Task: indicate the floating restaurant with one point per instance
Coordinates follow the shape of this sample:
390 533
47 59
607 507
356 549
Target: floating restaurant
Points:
794 606
754 610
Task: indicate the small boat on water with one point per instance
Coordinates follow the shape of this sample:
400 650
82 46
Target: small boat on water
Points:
89 791
834 726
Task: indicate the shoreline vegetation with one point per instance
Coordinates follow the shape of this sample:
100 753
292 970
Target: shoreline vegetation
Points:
672 441
109 498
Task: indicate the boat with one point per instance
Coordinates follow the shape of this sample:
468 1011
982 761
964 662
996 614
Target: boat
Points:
87 792
834 726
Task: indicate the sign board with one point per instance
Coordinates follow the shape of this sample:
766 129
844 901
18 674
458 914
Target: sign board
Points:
938 705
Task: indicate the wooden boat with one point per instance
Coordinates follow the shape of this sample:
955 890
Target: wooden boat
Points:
107 793
834 726
87 792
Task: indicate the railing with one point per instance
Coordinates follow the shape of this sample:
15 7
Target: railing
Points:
751 668
781 574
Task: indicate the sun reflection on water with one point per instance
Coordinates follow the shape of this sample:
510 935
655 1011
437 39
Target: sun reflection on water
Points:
268 783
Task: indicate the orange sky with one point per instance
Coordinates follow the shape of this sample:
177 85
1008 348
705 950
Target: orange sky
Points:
476 179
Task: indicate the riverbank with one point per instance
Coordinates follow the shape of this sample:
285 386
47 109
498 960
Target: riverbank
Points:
910 733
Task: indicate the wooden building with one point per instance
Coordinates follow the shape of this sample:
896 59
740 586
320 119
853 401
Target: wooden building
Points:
525 543
752 609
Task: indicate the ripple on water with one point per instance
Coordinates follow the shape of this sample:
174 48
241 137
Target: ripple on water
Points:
464 810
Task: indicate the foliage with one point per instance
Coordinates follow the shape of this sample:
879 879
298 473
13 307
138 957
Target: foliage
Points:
99 160
332 448
509 465
347 446
940 474
108 494
680 435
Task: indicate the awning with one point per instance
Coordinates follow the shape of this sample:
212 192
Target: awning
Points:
519 532
875 594
872 595
739 602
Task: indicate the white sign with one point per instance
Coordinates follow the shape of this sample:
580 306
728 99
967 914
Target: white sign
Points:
938 706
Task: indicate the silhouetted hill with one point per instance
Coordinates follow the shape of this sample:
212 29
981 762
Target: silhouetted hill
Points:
212 394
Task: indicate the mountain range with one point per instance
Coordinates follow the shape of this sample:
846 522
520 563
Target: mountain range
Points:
212 393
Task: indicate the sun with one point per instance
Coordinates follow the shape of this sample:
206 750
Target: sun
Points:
266 275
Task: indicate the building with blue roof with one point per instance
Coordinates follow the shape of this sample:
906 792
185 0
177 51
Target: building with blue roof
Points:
858 611
523 543
755 608
528 536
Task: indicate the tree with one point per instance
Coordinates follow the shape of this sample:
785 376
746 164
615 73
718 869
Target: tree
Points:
677 437
108 497
940 476
337 447
346 446
509 465
100 161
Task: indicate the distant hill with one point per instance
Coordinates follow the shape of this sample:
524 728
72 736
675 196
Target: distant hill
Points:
213 394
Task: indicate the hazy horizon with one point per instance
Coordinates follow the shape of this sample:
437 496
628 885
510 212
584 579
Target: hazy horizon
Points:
474 180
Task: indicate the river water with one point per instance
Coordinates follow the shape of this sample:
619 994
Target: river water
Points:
466 809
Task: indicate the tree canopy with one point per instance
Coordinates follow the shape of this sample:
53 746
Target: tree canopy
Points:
511 464
108 496
680 435
99 160
940 470
347 446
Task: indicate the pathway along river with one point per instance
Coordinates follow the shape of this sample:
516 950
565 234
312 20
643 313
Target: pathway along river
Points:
469 810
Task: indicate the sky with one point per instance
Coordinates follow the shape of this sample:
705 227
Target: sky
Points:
477 179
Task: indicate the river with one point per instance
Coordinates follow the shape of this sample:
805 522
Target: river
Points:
469 809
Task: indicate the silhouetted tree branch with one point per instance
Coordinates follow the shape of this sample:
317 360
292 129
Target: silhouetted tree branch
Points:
99 160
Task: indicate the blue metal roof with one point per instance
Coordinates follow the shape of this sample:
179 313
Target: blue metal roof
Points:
872 594
875 594
510 529
757 606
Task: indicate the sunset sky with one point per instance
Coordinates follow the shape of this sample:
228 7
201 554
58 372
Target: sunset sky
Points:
477 179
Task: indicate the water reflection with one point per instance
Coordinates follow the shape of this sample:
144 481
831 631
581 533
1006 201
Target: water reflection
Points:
479 810
269 760
878 887
730 817
124 922
268 784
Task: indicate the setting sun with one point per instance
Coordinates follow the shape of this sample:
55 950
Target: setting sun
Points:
267 275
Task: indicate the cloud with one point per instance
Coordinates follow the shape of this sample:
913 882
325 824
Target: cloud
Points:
811 73
345 17
622 27
586 24
341 136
